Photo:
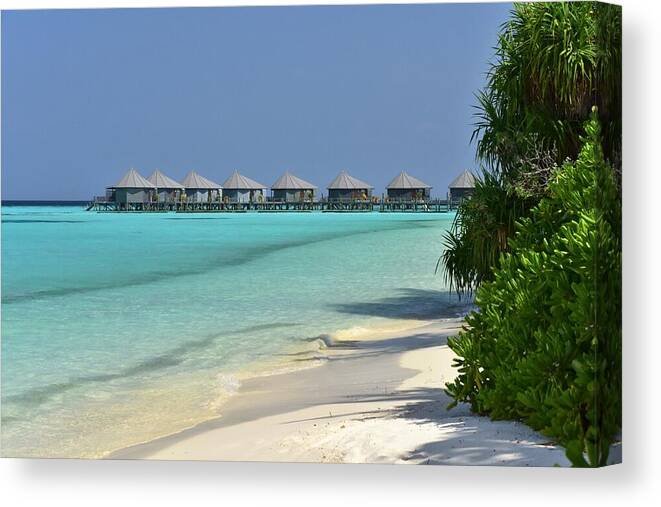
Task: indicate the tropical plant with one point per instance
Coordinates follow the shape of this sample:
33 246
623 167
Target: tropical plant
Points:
545 346
554 60
479 233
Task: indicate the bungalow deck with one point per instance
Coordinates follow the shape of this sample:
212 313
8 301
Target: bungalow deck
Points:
102 205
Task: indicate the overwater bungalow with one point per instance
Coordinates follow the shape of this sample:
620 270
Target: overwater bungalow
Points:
197 194
167 189
347 188
200 189
290 188
131 189
240 188
405 187
462 186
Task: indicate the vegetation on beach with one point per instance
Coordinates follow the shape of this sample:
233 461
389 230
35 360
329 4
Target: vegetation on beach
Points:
480 233
540 240
545 346
554 61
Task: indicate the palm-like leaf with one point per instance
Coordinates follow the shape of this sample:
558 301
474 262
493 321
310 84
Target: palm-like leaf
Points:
553 62
480 233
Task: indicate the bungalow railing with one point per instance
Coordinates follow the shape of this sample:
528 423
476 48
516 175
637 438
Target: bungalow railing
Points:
405 200
349 200
320 203
283 201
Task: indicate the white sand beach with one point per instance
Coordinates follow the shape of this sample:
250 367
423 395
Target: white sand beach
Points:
376 398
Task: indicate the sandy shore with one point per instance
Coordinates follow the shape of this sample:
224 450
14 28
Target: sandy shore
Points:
377 398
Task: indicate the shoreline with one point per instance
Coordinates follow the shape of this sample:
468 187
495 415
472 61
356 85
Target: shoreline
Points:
376 397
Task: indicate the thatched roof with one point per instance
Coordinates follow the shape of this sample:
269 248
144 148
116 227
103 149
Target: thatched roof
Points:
160 180
344 181
133 179
195 181
290 182
464 180
405 181
240 182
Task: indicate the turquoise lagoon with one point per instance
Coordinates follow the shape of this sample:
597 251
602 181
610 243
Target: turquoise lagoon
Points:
119 328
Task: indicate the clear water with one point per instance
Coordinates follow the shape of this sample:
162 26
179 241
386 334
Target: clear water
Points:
118 328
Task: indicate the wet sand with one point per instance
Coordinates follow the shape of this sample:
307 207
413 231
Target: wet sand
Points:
377 398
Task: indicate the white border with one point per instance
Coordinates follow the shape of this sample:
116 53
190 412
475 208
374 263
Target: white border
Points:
636 482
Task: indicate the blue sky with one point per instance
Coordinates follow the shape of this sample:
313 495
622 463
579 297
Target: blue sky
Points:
372 89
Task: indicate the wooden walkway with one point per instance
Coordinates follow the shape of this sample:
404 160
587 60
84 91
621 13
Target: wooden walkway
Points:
354 206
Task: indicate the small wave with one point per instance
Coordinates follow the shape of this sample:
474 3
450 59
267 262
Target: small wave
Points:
324 341
227 385
357 333
304 353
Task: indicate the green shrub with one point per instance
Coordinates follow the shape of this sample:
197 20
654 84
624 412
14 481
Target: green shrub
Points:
545 345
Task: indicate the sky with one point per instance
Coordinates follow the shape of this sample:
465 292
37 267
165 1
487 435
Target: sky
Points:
88 94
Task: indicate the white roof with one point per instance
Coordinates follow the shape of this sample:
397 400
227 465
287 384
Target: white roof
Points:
345 181
194 180
405 180
160 180
290 182
464 180
240 182
133 179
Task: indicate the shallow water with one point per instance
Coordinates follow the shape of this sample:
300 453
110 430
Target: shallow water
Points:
118 328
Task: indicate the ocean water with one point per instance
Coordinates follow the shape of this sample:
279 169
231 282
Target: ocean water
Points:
119 328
